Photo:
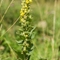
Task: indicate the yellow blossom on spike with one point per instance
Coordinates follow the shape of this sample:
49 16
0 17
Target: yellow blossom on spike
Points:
25 6
22 13
27 1
30 0
24 49
25 10
26 35
27 44
22 20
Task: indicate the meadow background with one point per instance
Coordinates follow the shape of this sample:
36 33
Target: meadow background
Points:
46 16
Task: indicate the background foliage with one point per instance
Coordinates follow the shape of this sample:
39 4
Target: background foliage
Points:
43 13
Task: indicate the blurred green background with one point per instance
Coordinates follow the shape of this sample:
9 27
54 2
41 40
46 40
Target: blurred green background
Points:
47 39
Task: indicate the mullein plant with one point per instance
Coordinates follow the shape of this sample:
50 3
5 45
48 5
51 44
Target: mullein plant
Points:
24 34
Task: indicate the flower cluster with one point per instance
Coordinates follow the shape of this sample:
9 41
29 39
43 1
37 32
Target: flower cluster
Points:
24 33
24 13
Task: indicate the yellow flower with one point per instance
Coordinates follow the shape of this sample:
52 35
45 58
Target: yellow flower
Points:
28 1
25 6
27 44
22 20
25 10
22 13
25 17
24 49
26 35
